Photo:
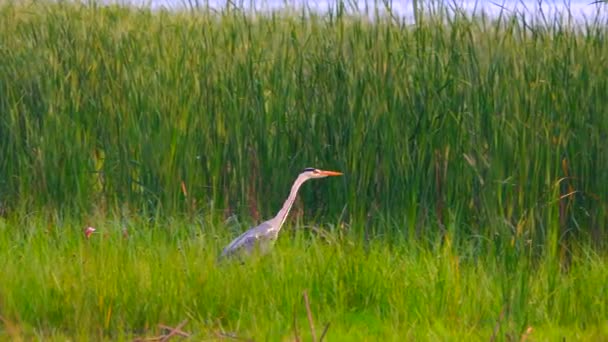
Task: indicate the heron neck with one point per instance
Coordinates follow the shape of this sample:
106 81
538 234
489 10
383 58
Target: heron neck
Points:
282 214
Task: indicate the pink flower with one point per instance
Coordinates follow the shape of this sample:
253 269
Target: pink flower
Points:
89 231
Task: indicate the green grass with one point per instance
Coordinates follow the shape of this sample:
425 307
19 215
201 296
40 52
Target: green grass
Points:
57 284
474 153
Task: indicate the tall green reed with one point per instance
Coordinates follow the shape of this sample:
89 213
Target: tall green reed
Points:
494 127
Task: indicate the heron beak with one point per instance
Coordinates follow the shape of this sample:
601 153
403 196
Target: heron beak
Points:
330 173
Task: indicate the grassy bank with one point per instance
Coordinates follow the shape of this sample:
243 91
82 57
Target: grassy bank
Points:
59 285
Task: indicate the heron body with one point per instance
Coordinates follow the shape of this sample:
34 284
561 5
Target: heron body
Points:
263 236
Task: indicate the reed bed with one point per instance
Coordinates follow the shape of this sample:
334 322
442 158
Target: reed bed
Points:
492 125
474 201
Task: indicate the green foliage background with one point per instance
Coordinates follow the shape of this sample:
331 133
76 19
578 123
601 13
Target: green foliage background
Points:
486 123
473 204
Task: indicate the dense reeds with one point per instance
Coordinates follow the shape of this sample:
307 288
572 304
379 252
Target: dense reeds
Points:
474 151
495 126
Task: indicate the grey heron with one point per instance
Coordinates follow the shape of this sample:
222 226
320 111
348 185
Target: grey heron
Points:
264 235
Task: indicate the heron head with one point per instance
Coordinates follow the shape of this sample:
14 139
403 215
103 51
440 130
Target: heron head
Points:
311 172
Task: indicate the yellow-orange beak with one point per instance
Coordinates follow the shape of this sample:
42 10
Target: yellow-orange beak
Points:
330 173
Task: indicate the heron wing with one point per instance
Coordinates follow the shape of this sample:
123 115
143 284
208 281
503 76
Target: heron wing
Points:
247 240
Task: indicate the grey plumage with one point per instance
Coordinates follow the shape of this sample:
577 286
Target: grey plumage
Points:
264 235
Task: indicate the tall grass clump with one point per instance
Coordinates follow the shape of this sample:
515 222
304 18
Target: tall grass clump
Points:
58 286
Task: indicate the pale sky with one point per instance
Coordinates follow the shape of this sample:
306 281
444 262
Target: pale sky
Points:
580 9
